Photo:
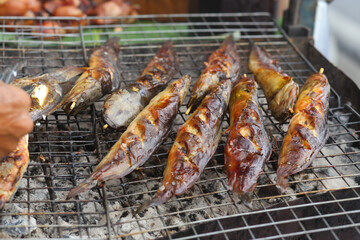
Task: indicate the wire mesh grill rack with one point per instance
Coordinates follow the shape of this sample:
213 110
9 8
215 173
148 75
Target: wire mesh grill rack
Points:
64 150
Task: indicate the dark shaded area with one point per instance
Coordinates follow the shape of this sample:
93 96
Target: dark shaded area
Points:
311 215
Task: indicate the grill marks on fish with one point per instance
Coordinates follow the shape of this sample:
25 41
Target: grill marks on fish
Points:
141 139
307 131
102 77
12 169
122 106
280 90
248 145
224 63
195 143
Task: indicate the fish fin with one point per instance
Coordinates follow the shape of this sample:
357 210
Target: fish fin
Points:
3 199
226 131
82 187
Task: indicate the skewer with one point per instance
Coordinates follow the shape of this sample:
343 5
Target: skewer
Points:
188 110
321 70
72 105
105 126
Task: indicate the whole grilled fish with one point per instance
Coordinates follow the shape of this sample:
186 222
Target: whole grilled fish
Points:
12 168
48 90
308 129
248 145
141 139
280 90
223 63
102 77
122 106
195 144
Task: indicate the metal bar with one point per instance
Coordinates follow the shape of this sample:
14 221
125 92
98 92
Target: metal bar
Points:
68 143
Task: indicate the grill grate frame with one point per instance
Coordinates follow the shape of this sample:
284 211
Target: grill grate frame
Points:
65 150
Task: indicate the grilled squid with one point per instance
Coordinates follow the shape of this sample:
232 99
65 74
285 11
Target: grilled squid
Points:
122 106
102 77
48 90
224 63
141 139
12 169
279 89
247 146
307 131
195 143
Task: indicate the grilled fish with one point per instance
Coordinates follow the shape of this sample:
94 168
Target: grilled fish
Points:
248 145
102 77
12 168
223 63
279 89
195 143
141 139
48 90
308 129
122 106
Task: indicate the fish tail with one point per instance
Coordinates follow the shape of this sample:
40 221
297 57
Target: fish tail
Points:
149 203
229 40
282 184
246 199
82 187
113 42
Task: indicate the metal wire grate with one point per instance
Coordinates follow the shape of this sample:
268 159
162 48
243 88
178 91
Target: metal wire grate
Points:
64 150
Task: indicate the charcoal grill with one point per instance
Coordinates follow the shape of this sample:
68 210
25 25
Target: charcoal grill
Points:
321 202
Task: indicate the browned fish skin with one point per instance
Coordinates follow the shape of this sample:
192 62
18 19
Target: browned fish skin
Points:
224 63
122 106
279 89
102 77
307 131
141 139
195 143
56 85
247 146
12 168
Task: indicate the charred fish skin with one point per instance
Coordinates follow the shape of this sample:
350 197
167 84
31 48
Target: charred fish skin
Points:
142 138
47 91
12 169
307 131
102 77
122 106
248 145
280 90
224 63
195 144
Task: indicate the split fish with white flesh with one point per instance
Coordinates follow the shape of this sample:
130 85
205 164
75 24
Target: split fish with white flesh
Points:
100 78
47 91
122 106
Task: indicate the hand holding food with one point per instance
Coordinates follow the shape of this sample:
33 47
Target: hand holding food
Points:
15 119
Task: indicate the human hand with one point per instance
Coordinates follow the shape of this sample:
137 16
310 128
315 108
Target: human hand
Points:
15 120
